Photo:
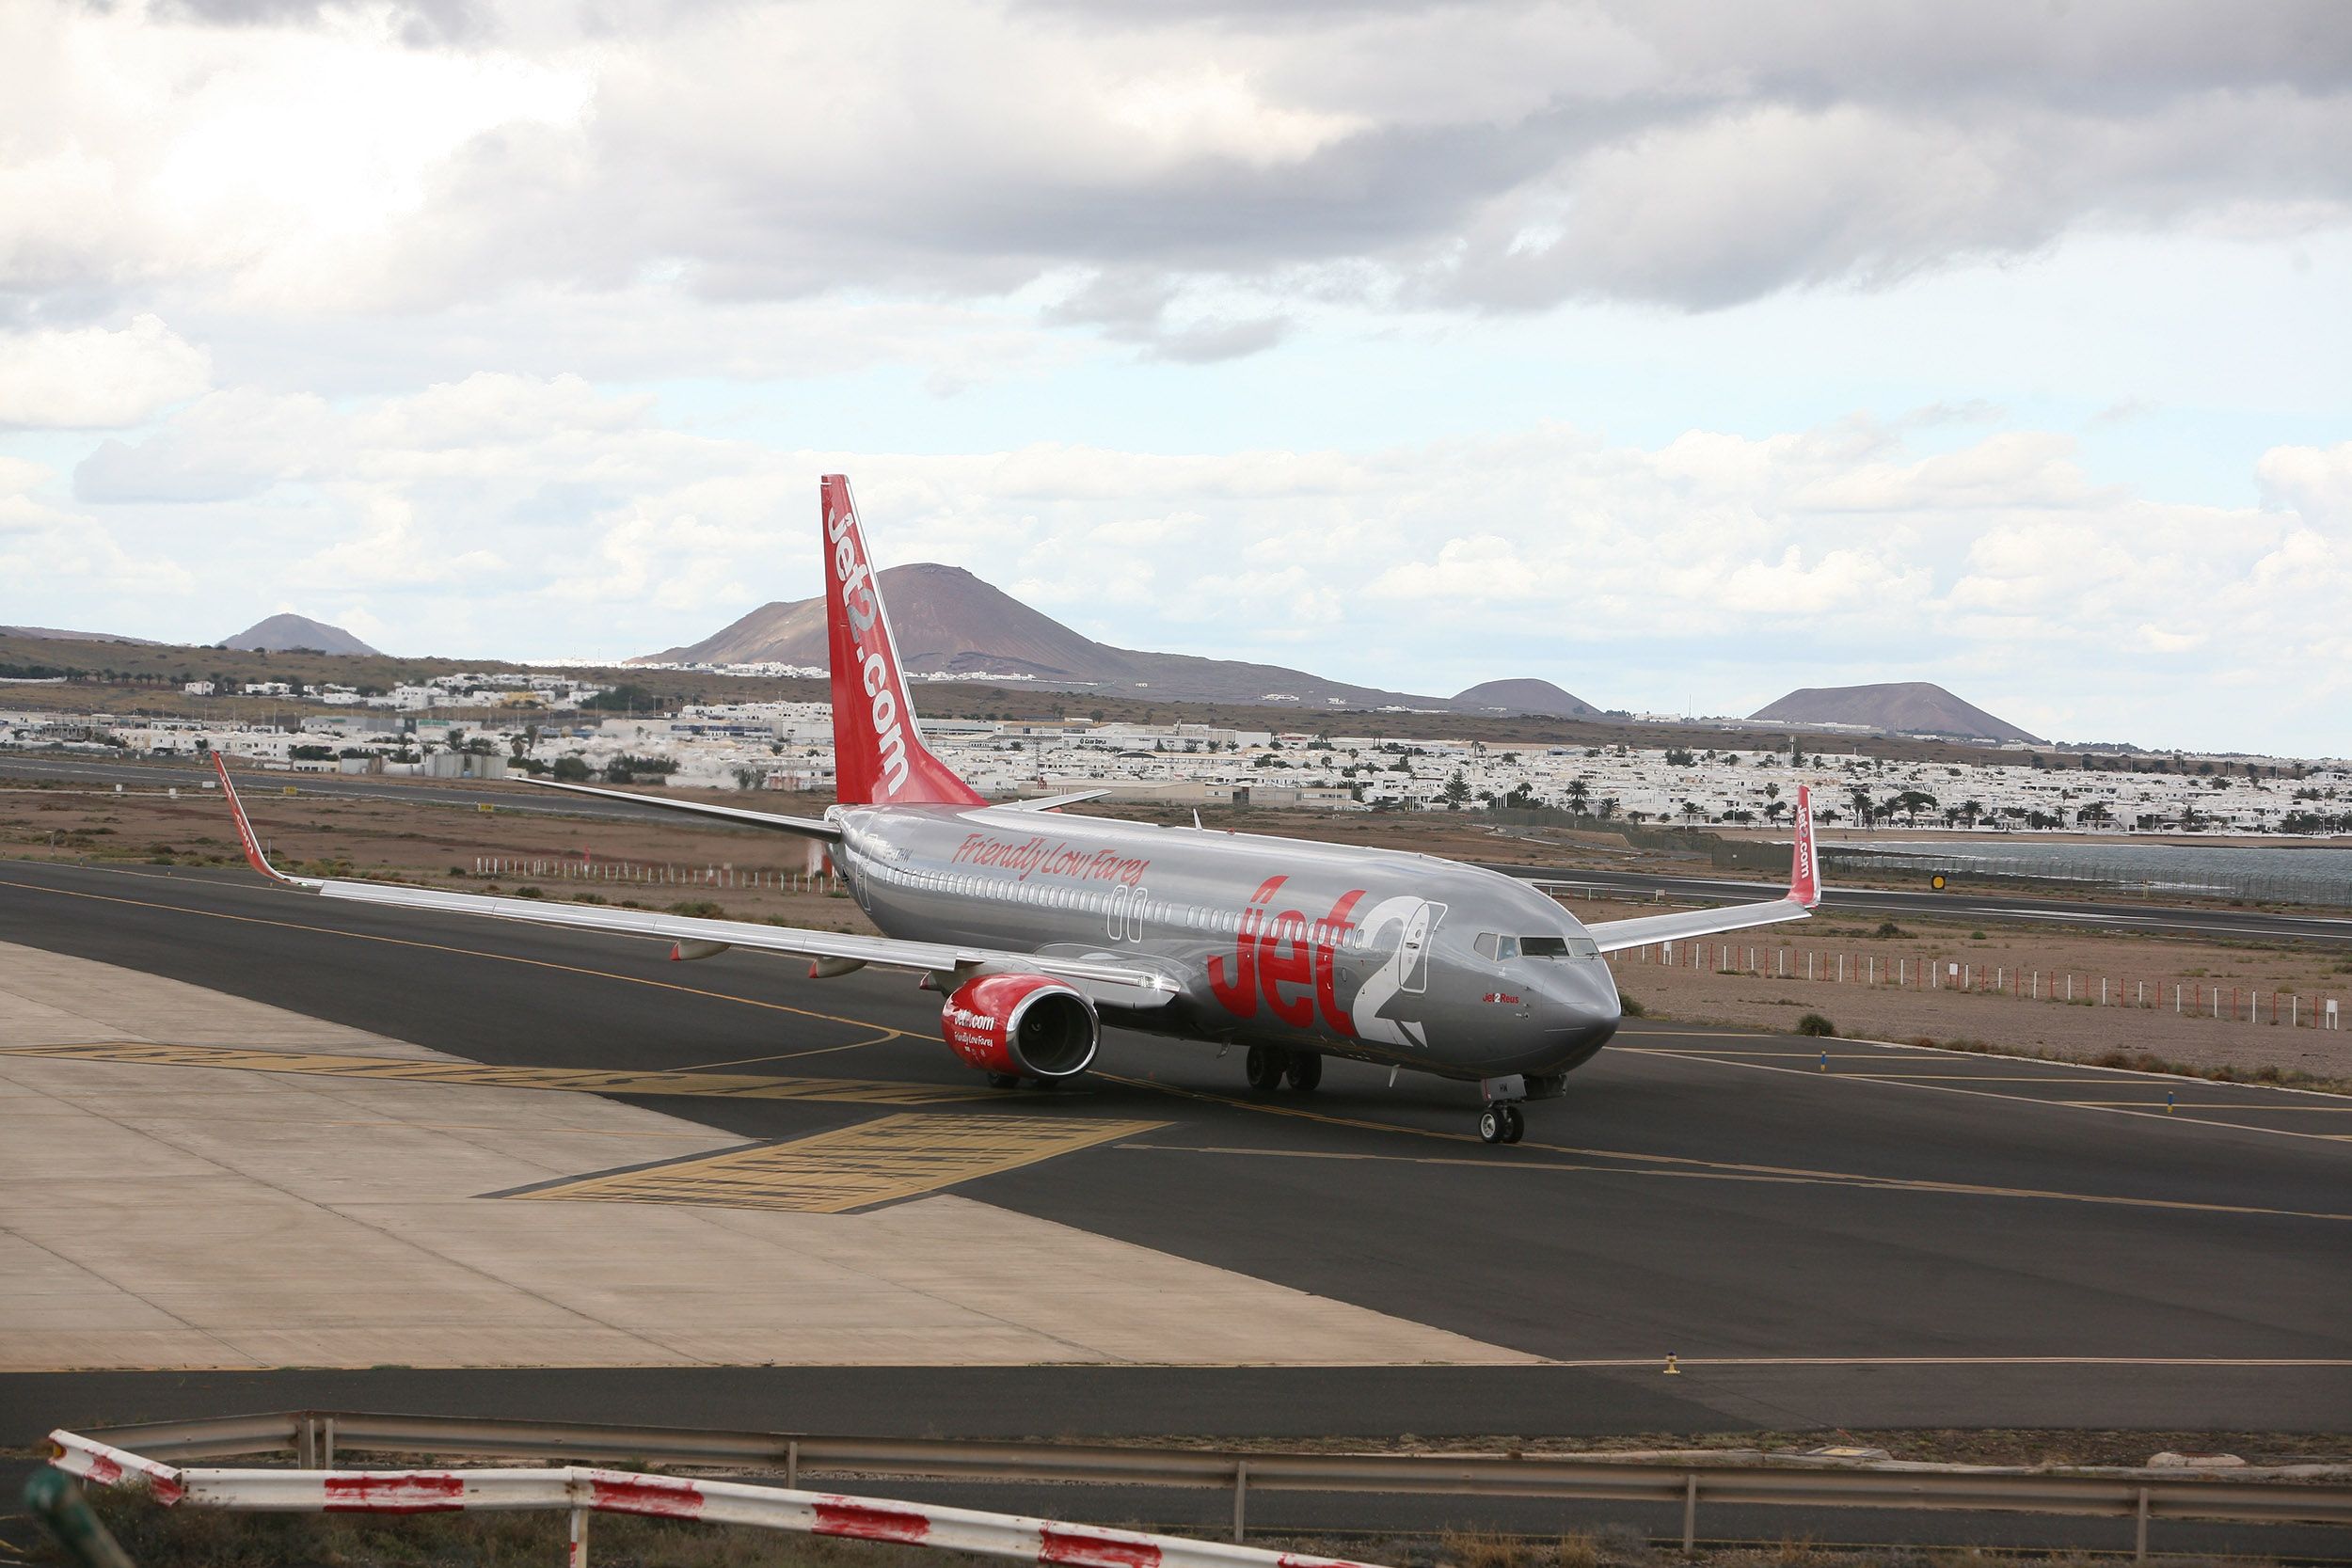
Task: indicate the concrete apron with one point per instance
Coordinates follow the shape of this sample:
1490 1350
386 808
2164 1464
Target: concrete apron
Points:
180 1216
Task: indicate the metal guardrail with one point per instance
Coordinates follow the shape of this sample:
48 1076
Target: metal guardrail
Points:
312 1438
581 1491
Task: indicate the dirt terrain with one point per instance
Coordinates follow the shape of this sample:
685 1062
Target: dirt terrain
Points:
755 875
1738 982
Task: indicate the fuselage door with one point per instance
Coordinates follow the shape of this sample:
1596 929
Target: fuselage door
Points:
1413 959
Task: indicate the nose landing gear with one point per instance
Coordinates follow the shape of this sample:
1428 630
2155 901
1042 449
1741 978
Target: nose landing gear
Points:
1501 1124
1501 1121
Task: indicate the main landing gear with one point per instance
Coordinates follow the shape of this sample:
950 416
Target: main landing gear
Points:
1268 1066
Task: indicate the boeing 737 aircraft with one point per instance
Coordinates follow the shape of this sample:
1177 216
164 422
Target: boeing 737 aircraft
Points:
1038 927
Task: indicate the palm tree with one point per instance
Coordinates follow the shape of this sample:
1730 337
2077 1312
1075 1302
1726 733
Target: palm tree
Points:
1578 792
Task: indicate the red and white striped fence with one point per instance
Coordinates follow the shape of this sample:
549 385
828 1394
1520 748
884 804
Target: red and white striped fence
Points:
580 1491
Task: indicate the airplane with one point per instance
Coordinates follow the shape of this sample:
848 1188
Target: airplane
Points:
1039 928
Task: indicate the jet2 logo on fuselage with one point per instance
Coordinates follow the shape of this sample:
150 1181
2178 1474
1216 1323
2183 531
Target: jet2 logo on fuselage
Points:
1279 948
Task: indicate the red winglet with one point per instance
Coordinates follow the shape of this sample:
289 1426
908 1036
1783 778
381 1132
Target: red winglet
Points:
244 828
1804 864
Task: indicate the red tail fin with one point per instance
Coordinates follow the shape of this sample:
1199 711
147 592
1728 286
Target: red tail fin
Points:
1805 865
878 750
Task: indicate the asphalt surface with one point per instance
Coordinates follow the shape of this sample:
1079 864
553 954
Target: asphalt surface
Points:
2188 919
1906 1239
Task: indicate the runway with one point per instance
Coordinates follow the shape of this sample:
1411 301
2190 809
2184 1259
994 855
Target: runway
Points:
2194 920
1903 1238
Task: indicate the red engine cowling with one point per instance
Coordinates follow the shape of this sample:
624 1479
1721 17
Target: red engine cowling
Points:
1030 1025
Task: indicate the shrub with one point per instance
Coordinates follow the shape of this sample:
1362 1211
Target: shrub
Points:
529 892
1631 1005
698 909
1814 1024
1888 929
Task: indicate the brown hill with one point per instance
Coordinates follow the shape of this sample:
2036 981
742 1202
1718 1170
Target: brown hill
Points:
948 622
280 632
1524 696
1899 707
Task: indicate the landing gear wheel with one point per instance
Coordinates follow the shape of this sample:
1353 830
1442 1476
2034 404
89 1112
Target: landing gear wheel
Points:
1514 1124
1004 1080
1492 1128
1265 1066
1305 1070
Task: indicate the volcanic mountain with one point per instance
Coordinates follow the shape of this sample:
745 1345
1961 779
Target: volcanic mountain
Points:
1525 696
281 632
948 622
1901 707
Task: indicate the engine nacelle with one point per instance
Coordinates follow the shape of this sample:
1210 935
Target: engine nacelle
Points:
1030 1025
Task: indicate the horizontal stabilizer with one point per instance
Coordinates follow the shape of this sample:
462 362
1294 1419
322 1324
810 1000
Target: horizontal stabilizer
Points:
807 827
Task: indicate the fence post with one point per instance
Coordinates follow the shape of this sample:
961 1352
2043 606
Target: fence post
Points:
1690 1513
792 1465
327 1443
2139 1529
1241 1498
307 1444
576 1543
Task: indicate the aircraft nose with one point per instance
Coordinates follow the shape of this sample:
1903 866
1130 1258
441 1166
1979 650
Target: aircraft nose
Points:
1584 990
1577 1016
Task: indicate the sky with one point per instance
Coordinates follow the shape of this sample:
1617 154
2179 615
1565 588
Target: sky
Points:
1680 354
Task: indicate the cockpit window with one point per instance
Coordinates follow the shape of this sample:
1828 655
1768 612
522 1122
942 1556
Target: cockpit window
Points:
1558 947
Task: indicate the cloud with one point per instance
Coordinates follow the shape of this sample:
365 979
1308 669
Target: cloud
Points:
90 378
312 158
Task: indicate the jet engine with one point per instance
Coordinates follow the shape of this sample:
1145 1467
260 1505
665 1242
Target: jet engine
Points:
1022 1026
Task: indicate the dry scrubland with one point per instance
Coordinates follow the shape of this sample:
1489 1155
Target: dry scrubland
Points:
438 843
189 1538
2117 1035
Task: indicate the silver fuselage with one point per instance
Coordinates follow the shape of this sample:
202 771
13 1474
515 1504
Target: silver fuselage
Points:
1374 954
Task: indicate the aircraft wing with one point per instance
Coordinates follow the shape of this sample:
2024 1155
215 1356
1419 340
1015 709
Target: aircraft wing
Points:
1102 977
1051 802
1805 892
807 827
